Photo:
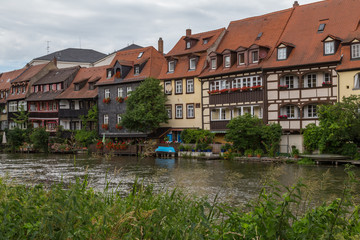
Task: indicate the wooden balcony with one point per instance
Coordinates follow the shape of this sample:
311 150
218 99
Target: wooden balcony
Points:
234 97
218 125
71 113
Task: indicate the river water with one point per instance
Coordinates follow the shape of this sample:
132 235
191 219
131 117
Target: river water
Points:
234 182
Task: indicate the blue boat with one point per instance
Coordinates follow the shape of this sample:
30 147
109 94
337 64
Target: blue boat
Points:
165 150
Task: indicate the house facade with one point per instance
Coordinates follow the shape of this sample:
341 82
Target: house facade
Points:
180 78
42 102
128 69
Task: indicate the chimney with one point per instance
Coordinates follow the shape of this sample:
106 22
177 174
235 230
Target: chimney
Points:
55 61
296 4
161 46
188 32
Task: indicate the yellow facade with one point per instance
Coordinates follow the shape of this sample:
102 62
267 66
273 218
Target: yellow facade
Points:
347 84
184 99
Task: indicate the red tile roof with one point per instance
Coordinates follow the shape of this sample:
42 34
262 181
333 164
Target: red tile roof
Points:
347 63
88 75
342 22
154 62
7 77
183 55
244 33
29 73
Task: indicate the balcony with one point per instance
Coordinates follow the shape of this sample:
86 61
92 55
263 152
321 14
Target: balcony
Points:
43 114
234 97
218 125
71 113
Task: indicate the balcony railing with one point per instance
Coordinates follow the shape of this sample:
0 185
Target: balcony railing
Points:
71 113
218 125
234 97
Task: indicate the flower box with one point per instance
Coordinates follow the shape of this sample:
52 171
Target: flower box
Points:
118 126
283 87
126 98
327 84
224 90
214 92
106 100
119 99
245 89
105 126
256 88
283 116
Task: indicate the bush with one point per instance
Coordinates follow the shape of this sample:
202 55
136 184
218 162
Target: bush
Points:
40 139
349 149
197 136
312 136
16 137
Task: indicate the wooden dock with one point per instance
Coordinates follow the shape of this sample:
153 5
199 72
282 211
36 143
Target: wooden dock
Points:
330 159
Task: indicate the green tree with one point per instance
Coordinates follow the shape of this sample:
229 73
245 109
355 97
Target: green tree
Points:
83 136
312 135
40 139
15 138
21 117
145 107
271 137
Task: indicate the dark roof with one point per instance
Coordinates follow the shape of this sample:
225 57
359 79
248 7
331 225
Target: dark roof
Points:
57 75
74 55
43 96
130 47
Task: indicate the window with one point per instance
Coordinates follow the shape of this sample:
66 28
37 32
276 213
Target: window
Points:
192 64
190 111
168 87
255 56
357 81
169 112
327 78
107 93
128 91
140 55
91 86
205 41
310 111
290 111
329 48
220 114
290 81
282 53
137 70
58 87
77 87
171 66
23 105
23 89
247 82
321 27
179 111
310 80
241 58
106 119
13 106
188 44
120 92
32 107
227 61
178 86
118 116
213 63
355 51
109 73
189 85
219 85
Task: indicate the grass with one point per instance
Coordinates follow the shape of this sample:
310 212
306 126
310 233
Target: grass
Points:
76 211
306 161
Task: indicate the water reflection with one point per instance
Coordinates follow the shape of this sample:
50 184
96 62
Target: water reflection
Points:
234 182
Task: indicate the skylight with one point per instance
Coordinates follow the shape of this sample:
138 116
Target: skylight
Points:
140 55
321 27
259 36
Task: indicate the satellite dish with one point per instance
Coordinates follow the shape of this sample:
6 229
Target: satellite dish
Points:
168 88
4 111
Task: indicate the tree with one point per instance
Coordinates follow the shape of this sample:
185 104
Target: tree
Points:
15 138
145 107
83 136
40 139
21 118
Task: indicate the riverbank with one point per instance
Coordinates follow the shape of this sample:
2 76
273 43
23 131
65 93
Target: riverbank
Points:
77 211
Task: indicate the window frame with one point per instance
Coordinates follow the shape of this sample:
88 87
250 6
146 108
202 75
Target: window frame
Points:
227 61
255 55
128 90
213 63
188 81
192 64
168 108
189 116
171 66
166 83
106 119
106 93
178 86
332 48
181 111
120 92
282 53
310 84
355 51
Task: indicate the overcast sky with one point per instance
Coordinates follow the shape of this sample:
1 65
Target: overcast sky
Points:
108 25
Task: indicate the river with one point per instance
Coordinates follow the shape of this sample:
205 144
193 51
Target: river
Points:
234 182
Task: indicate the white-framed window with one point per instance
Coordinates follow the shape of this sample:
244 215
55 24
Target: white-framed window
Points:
107 93
33 107
192 63
178 111
227 61
120 92
188 44
213 63
327 77
136 70
241 58
219 85
291 111
255 56
169 111
59 86
329 47
247 82
128 91
220 114
178 86
190 112
282 55
13 106
357 81
189 85
355 50
168 87
118 120
310 80
171 66
106 119
109 74
205 41
22 104
290 81
310 111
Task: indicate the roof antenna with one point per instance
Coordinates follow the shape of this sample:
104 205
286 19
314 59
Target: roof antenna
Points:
47 46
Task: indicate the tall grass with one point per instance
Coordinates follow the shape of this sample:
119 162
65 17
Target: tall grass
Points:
76 211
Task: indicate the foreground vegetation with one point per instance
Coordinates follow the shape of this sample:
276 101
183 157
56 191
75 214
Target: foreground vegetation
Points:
76 211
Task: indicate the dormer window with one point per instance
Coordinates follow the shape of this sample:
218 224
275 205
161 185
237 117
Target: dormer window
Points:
188 44
192 63
227 61
118 73
109 73
171 66
213 63
205 41
77 87
329 47
91 86
241 58
355 51
281 53
255 56
136 70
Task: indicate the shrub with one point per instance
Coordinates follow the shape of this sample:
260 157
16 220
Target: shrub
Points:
40 139
248 152
85 138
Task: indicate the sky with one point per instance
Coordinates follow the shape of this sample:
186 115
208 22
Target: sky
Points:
28 28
